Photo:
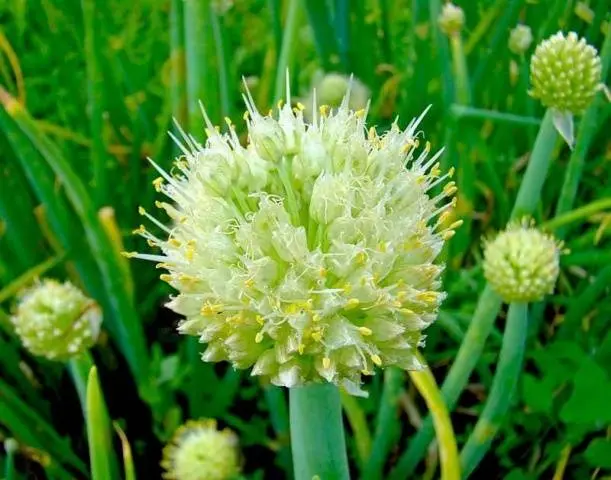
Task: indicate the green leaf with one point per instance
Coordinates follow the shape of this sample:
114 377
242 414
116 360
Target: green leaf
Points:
591 396
98 426
598 453
537 394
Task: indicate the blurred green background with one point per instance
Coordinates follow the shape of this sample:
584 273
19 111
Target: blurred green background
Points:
89 89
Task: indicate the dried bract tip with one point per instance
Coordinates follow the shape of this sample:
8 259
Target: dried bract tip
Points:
565 73
521 263
56 320
198 451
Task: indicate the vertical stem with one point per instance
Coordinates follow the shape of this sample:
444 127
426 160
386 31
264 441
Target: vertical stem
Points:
10 447
317 433
448 451
386 425
178 66
536 172
502 391
222 60
79 371
95 95
288 44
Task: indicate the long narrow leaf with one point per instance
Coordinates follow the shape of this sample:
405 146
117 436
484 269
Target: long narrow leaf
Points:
98 430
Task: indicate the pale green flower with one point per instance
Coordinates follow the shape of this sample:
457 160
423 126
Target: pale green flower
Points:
565 73
56 320
308 254
451 19
520 39
198 451
521 263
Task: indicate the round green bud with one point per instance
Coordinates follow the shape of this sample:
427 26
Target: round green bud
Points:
333 87
521 264
451 19
520 39
198 451
565 73
310 254
56 320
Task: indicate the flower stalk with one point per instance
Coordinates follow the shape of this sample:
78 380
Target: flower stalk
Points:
317 433
503 389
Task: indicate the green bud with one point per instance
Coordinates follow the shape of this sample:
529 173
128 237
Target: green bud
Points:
521 264
565 73
198 451
451 19
520 39
56 320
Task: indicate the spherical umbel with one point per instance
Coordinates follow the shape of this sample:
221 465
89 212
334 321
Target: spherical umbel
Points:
56 320
565 73
198 451
521 264
332 88
520 39
451 19
309 254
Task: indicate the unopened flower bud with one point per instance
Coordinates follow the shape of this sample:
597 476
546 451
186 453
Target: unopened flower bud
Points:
451 19
520 39
198 451
56 320
565 73
522 264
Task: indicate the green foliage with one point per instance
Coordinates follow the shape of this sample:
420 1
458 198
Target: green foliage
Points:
89 89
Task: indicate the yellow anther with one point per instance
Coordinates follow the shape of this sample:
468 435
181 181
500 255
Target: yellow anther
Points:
360 113
259 319
174 242
228 121
401 295
326 363
139 231
322 272
164 277
444 217
365 331
376 359
158 183
352 303
324 110
129 254
427 146
316 317
300 106
406 311
245 116
397 304
382 247
421 179
450 189
366 372
292 308
141 210
371 134
301 348
427 296
158 204
361 257
189 253
448 234
280 103
270 112
211 309
249 282
451 172
316 336
347 287
259 337
456 224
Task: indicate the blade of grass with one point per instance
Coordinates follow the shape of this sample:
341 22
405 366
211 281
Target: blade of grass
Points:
129 471
358 424
178 63
386 432
325 40
98 430
28 277
124 315
223 64
5 46
291 27
95 99
342 29
29 427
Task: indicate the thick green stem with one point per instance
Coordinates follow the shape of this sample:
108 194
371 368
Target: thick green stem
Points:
585 135
502 391
317 433
538 166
